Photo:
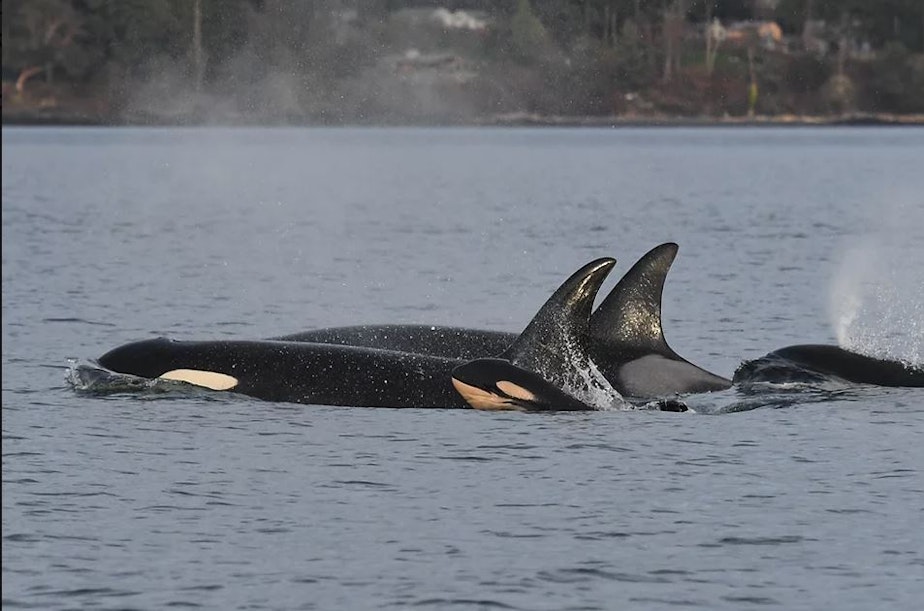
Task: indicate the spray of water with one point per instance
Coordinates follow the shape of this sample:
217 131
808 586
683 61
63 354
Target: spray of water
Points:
877 295
585 382
595 390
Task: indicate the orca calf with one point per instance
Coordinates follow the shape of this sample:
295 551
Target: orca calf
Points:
818 363
552 347
496 384
625 338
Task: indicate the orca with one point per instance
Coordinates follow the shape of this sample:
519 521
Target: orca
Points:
625 338
820 363
295 372
498 384
551 347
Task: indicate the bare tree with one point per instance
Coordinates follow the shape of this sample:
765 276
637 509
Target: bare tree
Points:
673 24
198 64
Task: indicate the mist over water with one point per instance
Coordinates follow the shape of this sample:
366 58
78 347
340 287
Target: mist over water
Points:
877 293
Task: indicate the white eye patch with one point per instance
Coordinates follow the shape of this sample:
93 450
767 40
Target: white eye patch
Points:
206 379
515 390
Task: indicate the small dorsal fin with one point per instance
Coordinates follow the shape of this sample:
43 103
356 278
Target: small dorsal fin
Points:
554 344
630 316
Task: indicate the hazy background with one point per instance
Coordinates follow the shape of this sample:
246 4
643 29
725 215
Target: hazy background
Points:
456 61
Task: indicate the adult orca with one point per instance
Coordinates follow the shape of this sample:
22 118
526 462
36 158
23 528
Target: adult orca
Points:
819 363
625 338
306 372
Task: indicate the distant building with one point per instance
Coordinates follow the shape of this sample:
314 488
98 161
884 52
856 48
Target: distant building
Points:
459 20
767 33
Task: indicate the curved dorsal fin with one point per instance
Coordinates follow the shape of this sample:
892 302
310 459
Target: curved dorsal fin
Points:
630 316
557 331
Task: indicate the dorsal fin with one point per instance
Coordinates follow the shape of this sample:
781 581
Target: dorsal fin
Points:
630 316
565 318
554 343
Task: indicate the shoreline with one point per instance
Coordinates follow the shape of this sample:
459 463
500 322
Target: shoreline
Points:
39 118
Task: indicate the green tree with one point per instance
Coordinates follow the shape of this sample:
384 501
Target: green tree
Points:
135 32
529 37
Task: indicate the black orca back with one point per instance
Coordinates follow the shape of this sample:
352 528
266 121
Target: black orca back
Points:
817 363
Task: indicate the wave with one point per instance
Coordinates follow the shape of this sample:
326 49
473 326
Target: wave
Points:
89 378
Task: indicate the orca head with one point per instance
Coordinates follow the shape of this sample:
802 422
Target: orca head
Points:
498 384
160 358
627 337
147 358
554 343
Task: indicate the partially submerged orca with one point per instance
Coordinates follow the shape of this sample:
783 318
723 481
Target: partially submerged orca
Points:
819 363
552 347
497 384
296 372
625 338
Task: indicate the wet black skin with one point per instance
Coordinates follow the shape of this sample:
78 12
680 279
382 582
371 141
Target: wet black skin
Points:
816 363
494 377
301 372
486 373
331 374
453 342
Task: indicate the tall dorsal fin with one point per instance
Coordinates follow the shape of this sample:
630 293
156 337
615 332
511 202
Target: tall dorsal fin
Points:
630 316
554 343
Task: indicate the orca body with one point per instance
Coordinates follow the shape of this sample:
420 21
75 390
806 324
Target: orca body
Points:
819 363
625 338
551 347
296 372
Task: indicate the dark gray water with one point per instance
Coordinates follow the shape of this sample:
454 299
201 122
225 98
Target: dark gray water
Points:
793 500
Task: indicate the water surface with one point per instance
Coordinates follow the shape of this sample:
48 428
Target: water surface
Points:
797 500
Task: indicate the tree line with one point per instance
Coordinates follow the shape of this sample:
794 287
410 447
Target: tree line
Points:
592 47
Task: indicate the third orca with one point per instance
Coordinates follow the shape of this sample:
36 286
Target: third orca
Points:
816 363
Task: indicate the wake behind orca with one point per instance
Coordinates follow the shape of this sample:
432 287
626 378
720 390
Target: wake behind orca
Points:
625 338
552 348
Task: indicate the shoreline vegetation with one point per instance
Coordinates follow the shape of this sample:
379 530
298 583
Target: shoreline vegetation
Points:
565 63
59 118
